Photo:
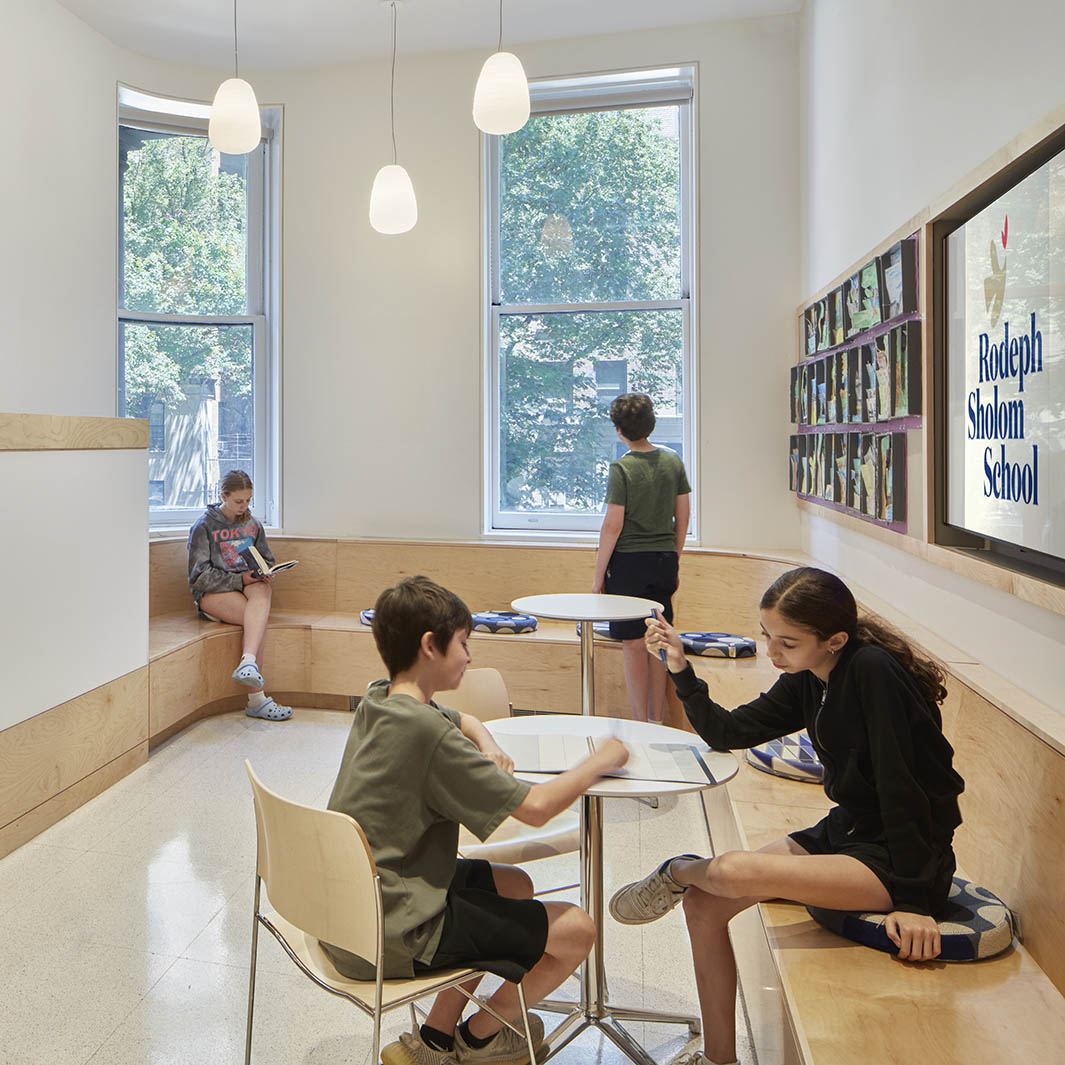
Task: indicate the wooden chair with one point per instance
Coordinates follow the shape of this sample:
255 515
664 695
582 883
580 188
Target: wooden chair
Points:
483 694
323 884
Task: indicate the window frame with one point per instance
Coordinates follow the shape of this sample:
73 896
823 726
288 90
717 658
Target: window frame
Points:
612 90
150 112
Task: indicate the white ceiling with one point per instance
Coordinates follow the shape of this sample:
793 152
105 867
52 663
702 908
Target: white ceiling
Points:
302 33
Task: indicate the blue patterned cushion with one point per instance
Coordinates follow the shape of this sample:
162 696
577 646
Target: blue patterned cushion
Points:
791 756
485 621
503 621
976 924
600 630
718 644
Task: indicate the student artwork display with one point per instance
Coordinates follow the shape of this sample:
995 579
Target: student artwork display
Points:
857 388
860 472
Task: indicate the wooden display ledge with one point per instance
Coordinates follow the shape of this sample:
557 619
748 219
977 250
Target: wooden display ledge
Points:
61 432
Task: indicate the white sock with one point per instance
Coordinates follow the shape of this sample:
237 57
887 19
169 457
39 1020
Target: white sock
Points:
247 660
256 699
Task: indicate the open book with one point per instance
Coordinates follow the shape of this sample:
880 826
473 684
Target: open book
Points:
258 564
555 753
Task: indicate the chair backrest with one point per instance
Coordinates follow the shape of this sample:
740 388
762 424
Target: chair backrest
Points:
318 870
482 693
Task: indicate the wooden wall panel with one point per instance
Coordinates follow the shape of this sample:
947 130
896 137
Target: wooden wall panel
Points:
343 661
35 821
312 584
63 432
485 576
720 592
1013 808
49 753
177 685
168 582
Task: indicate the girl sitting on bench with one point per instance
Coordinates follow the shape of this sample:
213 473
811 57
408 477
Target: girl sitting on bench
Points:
226 589
870 705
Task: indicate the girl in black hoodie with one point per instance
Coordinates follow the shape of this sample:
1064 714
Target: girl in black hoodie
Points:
871 708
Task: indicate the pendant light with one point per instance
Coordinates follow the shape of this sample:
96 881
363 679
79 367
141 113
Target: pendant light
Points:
501 99
235 127
393 206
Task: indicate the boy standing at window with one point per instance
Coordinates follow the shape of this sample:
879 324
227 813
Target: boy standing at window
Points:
411 773
647 509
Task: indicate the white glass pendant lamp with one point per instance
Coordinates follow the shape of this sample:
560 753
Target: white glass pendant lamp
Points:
235 127
393 205
501 99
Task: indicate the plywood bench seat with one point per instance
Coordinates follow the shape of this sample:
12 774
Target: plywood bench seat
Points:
819 999
311 654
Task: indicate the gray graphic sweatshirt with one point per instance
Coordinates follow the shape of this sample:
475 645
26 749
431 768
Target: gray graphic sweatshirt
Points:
215 544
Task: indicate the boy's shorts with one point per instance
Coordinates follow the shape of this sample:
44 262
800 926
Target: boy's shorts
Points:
647 575
485 930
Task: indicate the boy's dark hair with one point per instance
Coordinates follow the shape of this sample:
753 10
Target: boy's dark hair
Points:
634 415
405 611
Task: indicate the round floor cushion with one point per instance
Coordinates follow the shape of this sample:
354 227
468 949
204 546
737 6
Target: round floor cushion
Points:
503 621
791 756
600 630
366 616
976 924
718 644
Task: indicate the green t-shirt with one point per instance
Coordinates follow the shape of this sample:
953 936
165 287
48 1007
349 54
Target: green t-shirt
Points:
410 778
646 484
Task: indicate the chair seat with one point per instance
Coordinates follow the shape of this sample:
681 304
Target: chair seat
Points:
976 924
309 954
514 842
791 756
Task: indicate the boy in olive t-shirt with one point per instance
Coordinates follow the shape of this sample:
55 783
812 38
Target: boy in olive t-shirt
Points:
413 771
646 521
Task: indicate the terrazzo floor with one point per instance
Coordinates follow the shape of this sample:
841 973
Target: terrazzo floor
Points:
127 925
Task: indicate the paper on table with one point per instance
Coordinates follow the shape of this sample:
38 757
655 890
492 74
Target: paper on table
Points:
666 762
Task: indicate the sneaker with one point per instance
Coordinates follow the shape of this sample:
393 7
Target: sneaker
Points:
409 1049
697 1057
650 898
506 1048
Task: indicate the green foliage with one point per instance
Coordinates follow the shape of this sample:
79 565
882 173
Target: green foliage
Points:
184 221
590 212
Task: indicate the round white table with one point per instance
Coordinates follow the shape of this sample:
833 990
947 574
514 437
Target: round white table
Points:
593 1008
587 608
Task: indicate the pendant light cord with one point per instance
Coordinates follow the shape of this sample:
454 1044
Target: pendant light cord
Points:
499 46
393 90
236 62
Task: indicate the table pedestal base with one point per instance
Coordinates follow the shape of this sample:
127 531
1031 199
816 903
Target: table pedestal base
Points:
592 1010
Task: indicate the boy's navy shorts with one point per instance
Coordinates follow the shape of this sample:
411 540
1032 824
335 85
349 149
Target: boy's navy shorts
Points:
485 930
647 575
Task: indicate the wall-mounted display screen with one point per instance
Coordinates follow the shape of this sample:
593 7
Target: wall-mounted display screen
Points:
1005 368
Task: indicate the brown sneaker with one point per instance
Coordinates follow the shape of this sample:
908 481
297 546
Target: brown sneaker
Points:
409 1049
506 1047
650 898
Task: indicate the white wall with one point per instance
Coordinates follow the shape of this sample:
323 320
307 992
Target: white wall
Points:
382 335
74 544
899 102
73 525
57 213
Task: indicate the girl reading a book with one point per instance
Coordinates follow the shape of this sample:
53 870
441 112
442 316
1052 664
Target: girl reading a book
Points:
226 589
870 706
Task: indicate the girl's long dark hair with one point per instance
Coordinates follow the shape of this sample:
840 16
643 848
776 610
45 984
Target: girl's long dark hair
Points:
823 604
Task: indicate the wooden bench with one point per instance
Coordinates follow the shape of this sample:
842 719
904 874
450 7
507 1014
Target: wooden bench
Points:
815 998
318 653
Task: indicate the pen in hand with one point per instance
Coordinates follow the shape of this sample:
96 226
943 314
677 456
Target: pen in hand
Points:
661 650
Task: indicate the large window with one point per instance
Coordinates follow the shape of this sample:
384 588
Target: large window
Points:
197 294
590 235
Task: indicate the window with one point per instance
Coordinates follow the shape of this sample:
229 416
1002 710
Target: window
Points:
197 304
590 225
